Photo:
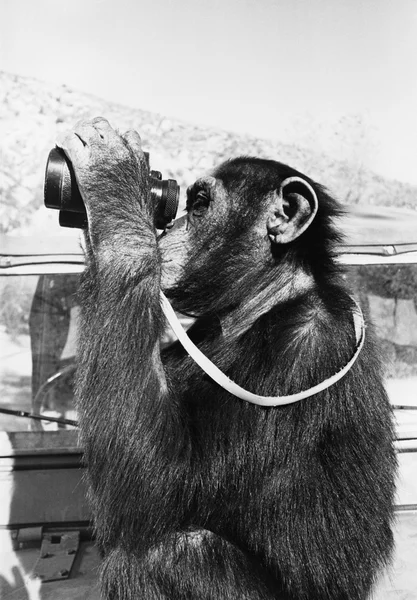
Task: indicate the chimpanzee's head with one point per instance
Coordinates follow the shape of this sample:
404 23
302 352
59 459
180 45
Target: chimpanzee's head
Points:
249 223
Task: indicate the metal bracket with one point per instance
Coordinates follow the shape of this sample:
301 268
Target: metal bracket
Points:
57 554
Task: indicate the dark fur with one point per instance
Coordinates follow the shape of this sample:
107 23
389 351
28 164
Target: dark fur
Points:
197 494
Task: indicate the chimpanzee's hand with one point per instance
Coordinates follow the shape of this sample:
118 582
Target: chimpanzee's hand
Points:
112 175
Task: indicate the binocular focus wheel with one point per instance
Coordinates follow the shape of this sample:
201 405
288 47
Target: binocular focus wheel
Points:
171 204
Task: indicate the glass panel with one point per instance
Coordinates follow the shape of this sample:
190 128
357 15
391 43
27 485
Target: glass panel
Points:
37 331
389 293
38 317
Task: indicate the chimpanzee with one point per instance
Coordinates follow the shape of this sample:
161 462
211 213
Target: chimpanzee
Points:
196 493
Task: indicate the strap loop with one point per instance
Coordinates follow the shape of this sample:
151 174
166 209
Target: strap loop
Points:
235 389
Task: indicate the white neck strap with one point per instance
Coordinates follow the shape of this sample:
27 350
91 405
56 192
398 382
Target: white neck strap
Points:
238 391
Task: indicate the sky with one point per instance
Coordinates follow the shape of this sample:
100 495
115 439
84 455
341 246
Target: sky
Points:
299 71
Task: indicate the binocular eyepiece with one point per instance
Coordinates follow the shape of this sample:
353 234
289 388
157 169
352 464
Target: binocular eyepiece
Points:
61 193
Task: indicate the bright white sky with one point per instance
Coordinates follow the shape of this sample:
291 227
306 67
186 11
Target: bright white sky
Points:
286 69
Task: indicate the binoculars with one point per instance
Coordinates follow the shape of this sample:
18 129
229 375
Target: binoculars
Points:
61 193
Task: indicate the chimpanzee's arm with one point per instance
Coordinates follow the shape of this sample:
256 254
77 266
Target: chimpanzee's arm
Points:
128 415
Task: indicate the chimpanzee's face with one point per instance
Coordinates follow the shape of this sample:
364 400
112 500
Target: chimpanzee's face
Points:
215 218
240 224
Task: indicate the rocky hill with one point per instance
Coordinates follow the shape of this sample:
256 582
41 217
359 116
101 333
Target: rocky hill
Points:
33 113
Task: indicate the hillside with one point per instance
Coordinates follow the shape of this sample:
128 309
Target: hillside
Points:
32 113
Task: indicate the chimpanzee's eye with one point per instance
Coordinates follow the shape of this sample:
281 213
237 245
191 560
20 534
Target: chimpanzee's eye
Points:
198 202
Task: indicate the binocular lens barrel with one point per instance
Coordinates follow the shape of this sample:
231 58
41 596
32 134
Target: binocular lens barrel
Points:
61 193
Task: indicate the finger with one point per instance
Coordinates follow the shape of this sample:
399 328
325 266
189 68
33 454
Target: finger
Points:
66 138
104 129
72 145
102 120
87 133
132 138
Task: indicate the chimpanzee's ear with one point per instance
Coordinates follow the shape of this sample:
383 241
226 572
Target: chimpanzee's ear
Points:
292 210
